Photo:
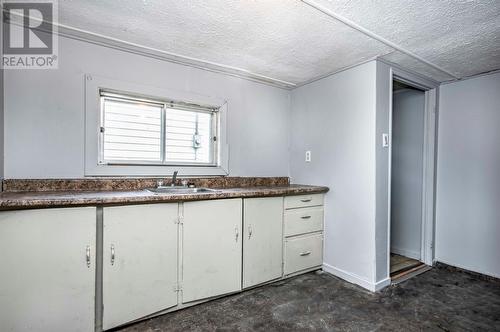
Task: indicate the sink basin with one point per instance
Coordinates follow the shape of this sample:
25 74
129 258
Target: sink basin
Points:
180 190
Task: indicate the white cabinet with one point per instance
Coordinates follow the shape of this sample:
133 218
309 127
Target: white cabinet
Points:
262 240
300 201
303 252
154 257
303 220
47 269
211 248
139 261
303 231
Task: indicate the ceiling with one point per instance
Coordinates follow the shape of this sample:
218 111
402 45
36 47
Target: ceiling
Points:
292 42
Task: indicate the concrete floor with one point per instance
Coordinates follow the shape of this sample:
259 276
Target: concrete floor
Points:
443 299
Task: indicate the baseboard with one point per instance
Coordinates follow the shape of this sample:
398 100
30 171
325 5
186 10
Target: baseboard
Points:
355 279
382 284
406 253
468 268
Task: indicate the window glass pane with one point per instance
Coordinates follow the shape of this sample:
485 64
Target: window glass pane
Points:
132 131
188 136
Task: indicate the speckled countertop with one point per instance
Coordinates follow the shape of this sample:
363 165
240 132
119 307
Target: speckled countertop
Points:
45 199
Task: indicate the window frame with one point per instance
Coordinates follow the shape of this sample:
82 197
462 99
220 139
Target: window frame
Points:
165 104
92 158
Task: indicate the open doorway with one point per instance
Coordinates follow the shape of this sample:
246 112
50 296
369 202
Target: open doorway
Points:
407 180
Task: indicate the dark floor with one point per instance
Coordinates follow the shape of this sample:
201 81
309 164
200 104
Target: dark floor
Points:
443 299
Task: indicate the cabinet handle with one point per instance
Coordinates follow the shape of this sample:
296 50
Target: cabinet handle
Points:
305 253
306 200
306 217
87 255
236 233
250 231
112 254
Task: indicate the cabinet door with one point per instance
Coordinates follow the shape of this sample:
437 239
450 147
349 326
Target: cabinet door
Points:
47 269
262 240
139 261
211 248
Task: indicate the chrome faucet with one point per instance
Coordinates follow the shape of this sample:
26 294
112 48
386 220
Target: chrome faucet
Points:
174 178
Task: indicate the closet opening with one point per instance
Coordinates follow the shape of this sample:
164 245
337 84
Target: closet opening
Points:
407 181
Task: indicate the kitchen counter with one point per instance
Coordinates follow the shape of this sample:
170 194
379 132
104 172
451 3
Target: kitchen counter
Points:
48 199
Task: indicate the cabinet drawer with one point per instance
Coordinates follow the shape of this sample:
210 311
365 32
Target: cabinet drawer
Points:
303 252
305 220
292 202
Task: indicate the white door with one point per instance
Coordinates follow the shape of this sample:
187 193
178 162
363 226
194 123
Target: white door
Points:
262 240
139 261
211 248
47 269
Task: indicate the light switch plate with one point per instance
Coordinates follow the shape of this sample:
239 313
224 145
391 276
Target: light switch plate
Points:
308 156
385 140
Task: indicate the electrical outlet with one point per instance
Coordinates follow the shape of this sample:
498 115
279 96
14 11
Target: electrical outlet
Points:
308 156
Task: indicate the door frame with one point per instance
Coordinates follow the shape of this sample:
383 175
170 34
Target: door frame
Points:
431 90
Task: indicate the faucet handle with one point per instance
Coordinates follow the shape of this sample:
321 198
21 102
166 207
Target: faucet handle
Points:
184 183
159 184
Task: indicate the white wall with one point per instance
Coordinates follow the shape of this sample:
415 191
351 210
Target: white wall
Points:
335 119
468 175
407 172
44 111
384 102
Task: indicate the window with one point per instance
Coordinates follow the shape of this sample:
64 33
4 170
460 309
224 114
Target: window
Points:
136 130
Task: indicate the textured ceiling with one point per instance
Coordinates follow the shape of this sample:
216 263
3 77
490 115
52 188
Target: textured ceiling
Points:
290 41
460 36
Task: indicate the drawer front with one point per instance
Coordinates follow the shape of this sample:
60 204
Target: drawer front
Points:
303 252
305 220
292 202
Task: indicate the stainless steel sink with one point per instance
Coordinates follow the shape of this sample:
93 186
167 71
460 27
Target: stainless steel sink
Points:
180 190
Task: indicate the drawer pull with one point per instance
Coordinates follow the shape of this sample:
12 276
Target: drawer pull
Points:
306 217
306 200
306 253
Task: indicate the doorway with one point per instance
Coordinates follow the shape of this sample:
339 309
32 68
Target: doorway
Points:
407 180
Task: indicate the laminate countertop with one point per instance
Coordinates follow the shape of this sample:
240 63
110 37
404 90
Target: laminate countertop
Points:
49 199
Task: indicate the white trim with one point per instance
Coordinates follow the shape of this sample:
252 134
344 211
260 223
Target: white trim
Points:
389 176
355 279
429 180
411 78
373 35
94 83
312 80
468 268
382 284
486 73
427 81
348 276
406 253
